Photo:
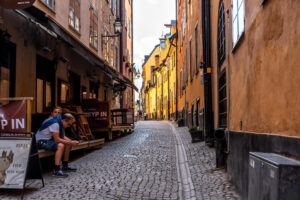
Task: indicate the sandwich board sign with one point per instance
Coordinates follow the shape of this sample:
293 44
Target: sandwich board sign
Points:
19 159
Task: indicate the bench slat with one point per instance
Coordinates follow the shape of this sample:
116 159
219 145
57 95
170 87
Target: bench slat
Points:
83 145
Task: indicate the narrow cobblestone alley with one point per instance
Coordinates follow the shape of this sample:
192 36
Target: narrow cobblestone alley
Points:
141 165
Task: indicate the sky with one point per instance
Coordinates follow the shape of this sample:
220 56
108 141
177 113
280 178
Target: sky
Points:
149 17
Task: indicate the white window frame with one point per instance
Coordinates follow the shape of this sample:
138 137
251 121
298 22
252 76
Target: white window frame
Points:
238 20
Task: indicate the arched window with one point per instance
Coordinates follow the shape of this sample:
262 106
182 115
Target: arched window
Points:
221 35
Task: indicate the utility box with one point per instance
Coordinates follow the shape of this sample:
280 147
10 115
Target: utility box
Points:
272 176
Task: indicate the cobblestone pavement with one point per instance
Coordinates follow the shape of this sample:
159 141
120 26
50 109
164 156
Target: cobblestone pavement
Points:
141 165
208 182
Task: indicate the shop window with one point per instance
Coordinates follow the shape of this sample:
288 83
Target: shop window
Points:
93 90
93 28
238 17
84 93
221 35
222 100
63 89
45 78
49 3
74 15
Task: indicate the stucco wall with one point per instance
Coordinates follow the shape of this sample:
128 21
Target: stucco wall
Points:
265 75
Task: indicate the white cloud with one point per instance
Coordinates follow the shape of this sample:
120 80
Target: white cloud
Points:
149 19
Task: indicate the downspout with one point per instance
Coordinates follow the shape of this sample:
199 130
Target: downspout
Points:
121 49
168 93
156 80
228 81
207 71
131 31
176 60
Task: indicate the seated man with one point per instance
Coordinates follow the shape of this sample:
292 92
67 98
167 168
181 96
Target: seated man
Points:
51 137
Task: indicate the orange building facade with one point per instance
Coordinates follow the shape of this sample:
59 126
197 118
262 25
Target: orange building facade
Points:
244 75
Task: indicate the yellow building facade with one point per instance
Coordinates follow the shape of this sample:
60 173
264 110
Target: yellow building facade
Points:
159 78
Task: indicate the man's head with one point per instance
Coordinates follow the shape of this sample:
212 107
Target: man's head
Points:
67 120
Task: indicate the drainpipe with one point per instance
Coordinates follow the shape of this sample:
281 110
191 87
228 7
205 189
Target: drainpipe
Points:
168 93
176 60
121 49
208 116
131 31
228 81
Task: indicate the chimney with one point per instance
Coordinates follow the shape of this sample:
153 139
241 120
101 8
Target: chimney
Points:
156 60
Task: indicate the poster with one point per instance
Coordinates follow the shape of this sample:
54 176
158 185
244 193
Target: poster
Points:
14 155
13 117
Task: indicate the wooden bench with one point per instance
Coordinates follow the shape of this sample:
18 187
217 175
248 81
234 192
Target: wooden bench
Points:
122 128
82 145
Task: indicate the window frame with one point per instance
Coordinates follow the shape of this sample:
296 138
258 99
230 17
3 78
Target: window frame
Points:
235 18
196 48
222 100
73 27
92 29
221 39
52 8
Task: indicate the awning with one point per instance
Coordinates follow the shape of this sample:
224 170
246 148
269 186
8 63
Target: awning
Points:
54 29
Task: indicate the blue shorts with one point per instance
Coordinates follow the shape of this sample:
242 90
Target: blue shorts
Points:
48 145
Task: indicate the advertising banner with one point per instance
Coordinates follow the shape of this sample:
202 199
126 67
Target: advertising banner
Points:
97 114
14 154
13 117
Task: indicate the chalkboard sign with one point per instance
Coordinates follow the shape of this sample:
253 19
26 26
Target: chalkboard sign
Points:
19 160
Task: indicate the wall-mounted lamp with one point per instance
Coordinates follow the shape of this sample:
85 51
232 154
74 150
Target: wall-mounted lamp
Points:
117 30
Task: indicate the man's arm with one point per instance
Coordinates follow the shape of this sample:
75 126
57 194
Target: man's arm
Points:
60 140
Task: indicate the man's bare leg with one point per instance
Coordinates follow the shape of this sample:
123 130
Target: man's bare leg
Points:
59 153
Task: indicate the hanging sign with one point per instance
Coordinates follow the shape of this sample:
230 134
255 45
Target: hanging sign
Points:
16 4
13 117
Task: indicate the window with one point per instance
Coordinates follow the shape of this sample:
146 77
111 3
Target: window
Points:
93 90
192 115
191 61
221 35
112 55
163 44
45 79
112 4
186 65
63 92
74 15
49 3
117 9
196 48
181 82
222 100
106 52
93 28
238 24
